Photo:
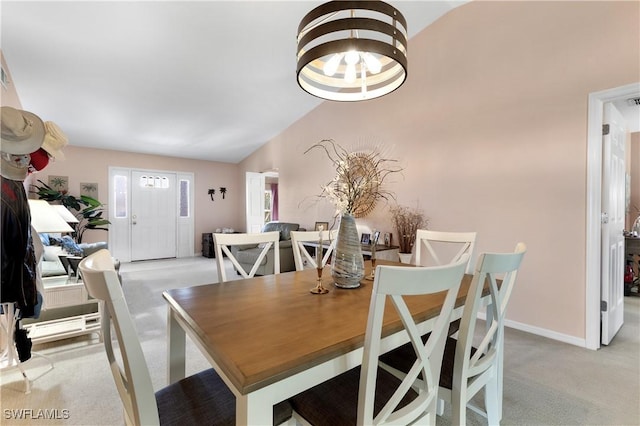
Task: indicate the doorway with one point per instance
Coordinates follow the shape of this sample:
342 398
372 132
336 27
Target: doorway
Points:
262 199
151 214
597 101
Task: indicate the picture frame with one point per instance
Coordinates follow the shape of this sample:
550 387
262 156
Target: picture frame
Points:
325 226
387 238
365 239
376 238
59 183
90 189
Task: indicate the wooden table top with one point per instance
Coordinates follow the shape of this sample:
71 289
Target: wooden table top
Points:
264 329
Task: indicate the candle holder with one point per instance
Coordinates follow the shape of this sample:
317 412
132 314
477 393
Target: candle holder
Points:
372 275
319 289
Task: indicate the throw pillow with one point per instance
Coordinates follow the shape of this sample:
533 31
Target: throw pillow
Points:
51 253
70 246
45 239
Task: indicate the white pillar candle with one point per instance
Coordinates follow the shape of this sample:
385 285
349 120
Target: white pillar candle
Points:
319 249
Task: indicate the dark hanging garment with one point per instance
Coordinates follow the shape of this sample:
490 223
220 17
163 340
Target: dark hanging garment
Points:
18 273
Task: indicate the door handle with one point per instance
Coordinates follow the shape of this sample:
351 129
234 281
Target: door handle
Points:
133 219
604 218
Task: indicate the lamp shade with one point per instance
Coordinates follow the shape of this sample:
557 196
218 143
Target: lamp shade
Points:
65 213
45 218
352 50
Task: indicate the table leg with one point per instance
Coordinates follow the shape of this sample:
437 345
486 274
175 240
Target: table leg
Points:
253 409
176 349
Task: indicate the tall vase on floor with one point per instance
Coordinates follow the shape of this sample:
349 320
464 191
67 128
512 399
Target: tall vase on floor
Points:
347 267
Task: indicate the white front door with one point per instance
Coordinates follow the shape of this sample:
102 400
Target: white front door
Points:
613 215
154 212
255 202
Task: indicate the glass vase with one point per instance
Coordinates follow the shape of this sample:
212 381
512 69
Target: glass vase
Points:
347 267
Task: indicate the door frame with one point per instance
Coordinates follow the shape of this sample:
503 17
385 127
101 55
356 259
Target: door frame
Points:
250 203
254 203
594 207
120 228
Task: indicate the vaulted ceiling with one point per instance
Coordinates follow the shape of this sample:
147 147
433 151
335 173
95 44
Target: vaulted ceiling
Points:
210 80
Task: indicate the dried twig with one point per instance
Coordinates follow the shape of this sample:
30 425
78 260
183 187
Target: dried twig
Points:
407 222
358 183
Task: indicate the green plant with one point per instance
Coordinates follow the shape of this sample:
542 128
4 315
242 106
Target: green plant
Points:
86 209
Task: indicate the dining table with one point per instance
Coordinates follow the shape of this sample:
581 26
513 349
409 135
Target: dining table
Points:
269 338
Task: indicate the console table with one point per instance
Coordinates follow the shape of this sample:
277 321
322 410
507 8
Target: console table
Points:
383 252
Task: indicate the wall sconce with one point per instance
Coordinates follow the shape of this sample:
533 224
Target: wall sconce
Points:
223 191
211 192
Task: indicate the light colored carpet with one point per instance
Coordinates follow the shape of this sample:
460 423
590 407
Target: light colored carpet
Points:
546 382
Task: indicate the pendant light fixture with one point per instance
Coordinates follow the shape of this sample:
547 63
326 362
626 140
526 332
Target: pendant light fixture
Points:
352 50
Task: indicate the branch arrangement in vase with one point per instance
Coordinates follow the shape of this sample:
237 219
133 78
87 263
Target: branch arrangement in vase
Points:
359 180
407 221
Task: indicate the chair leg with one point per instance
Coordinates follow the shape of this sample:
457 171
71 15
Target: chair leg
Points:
500 373
430 419
491 400
458 407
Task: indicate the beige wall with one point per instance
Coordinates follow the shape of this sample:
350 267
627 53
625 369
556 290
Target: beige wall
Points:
92 165
492 129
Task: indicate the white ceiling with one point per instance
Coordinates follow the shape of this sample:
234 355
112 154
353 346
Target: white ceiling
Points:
211 80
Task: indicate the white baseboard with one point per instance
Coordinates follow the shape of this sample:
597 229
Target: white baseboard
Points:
550 334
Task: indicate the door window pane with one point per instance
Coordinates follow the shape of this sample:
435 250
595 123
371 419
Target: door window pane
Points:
120 188
184 198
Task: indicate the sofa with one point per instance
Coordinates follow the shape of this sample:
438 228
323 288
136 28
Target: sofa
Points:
56 247
247 254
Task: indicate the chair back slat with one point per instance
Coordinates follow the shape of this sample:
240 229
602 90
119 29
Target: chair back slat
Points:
265 240
300 252
395 283
436 247
132 377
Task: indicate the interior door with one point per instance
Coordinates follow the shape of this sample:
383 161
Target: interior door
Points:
613 215
153 215
255 201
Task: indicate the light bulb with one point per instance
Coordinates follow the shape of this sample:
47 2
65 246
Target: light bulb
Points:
363 79
350 73
352 57
373 63
331 66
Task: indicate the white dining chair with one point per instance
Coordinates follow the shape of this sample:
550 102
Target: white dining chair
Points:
440 248
202 398
264 240
368 395
467 369
300 252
